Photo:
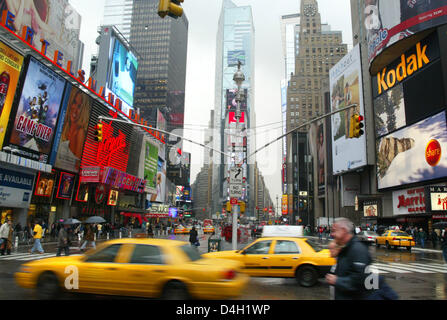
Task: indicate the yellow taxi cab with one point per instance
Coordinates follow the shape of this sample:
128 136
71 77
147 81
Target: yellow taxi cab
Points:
153 268
180 230
285 257
208 229
395 238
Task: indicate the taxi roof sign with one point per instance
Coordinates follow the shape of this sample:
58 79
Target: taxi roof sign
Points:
283 231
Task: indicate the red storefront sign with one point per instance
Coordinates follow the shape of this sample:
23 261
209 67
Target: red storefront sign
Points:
90 175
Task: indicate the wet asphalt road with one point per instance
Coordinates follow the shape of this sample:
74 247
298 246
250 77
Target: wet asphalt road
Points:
419 275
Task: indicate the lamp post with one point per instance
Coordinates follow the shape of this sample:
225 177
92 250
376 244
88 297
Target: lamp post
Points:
238 78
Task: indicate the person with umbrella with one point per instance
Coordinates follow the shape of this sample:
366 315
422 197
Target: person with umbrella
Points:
89 237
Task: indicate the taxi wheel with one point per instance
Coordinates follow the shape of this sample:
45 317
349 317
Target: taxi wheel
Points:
48 286
175 290
307 276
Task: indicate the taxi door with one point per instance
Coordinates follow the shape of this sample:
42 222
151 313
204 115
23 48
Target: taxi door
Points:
286 256
99 272
146 270
257 258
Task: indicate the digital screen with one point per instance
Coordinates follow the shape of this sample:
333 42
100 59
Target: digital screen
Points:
413 154
123 73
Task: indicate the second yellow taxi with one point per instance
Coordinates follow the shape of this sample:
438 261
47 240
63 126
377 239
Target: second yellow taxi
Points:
395 238
156 268
285 257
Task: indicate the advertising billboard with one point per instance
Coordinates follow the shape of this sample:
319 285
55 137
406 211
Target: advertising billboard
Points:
123 72
387 22
321 155
56 21
231 100
15 188
151 166
10 66
72 131
409 201
45 184
347 89
235 56
36 115
413 154
66 186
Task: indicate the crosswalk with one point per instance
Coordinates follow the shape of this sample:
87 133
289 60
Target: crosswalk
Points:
26 256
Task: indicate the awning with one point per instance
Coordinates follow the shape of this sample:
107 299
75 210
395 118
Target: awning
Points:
156 215
138 216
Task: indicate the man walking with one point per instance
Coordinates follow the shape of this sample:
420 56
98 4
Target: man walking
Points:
193 237
444 244
63 241
5 236
349 276
37 235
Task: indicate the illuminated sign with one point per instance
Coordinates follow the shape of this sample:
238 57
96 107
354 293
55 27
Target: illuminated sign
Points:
113 198
45 184
122 180
65 187
27 37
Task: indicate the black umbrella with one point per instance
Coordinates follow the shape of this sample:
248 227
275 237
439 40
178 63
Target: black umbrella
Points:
95 219
70 221
439 225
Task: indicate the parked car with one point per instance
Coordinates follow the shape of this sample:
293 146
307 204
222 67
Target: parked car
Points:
368 237
153 268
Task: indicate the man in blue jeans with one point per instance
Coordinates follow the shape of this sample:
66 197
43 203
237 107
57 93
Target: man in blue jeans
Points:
444 244
37 231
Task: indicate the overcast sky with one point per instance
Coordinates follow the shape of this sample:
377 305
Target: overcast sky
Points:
203 17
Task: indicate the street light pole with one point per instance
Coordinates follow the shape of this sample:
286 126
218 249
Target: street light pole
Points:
238 77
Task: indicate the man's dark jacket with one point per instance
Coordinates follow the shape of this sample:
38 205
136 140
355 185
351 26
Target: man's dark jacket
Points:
351 263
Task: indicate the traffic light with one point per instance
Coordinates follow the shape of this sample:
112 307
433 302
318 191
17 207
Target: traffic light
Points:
228 206
171 8
358 125
98 132
242 206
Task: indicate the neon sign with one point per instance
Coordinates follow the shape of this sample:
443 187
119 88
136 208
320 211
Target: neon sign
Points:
27 37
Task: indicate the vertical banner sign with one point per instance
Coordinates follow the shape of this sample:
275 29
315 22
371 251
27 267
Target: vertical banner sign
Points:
37 112
151 165
66 185
346 89
284 204
10 65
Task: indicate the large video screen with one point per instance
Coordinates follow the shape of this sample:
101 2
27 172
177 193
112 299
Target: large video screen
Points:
37 112
413 154
123 73
388 21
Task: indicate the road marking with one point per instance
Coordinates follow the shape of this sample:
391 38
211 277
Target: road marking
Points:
14 255
435 268
389 268
405 267
38 257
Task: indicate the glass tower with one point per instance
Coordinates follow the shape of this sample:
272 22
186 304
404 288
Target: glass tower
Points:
118 13
235 42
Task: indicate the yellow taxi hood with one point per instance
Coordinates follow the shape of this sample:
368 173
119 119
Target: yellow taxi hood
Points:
56 260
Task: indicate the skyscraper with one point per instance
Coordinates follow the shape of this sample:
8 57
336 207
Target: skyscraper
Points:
161 77
118 13
235 42
319 49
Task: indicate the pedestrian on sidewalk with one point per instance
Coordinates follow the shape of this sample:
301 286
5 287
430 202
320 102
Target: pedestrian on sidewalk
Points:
37 235
89 237
6 237
63 241
444 244
434 239
352 260
422 236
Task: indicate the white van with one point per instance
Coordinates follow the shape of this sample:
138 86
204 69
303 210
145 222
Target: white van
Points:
283 231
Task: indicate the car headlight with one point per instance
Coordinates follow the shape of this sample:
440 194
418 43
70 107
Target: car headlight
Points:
25 269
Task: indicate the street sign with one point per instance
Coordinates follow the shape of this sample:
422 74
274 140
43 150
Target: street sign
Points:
236 176
235 190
